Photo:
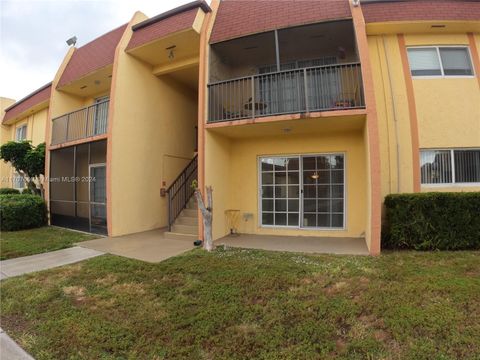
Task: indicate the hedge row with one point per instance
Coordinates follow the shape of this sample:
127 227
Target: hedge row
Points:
432 221
7 191
23 211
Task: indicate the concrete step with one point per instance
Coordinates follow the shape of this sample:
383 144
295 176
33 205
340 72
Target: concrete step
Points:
178 236
187 220
185 229
192 204
189 213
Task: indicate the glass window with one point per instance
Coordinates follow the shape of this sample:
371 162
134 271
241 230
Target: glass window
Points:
456 61
467 166
450 166
280 190
21 133
435 167
18 181
320 178
323 196
440 61
424 61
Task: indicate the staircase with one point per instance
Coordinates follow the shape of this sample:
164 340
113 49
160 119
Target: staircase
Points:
182 205
185 226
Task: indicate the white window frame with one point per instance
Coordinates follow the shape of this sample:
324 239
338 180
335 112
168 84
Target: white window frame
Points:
452 161
442 76
19 128
16 176
300 209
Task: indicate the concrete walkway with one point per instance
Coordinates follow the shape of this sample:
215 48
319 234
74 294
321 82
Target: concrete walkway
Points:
151 246
9 350
27 264
303 244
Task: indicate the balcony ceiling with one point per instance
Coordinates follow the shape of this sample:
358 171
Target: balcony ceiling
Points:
91 84
318 125
186 44
323 39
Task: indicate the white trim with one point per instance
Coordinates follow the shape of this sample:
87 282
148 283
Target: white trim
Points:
443 76
451 185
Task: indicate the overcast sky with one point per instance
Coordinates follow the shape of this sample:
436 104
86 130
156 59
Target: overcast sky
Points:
33 34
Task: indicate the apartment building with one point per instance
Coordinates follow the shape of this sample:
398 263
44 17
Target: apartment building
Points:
301 115
25 119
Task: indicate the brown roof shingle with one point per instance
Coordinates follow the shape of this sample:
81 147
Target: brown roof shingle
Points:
162 28
38 96
92 56
237 18
421 10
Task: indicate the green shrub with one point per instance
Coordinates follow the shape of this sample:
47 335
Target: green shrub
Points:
432 221
22 212
6 191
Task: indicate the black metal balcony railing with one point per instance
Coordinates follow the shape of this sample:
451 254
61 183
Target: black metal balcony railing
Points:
330 87
181 190
80 124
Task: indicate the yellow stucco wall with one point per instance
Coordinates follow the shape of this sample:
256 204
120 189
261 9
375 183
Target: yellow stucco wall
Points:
5 136
393 116
152 139
36 123
232 171
448 110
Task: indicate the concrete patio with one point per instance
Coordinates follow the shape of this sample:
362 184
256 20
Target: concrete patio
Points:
150 246
304 244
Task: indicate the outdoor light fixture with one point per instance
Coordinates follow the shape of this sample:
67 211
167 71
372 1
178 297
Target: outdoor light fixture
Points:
72 41
356 2
171 55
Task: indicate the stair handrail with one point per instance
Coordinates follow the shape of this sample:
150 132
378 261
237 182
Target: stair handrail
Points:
180 191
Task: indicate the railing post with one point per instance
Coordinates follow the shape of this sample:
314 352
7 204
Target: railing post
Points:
86 122
253 97
169 211
68 124
306 90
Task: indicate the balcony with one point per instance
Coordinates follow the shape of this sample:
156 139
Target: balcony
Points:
308 68
80 124
309 89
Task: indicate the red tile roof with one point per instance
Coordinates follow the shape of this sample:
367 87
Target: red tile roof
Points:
421 10
237 18
92 56
35 98
162 28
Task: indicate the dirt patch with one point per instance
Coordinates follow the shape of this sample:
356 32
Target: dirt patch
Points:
257 301
335 288
15 323
130 288
245 329
107 280
76 294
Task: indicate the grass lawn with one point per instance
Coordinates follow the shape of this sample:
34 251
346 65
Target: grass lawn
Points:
246 304
14 244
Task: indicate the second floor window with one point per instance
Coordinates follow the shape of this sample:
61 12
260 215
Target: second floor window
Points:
440 61
21 133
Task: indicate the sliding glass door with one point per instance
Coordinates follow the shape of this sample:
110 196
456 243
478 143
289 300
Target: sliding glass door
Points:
303 191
